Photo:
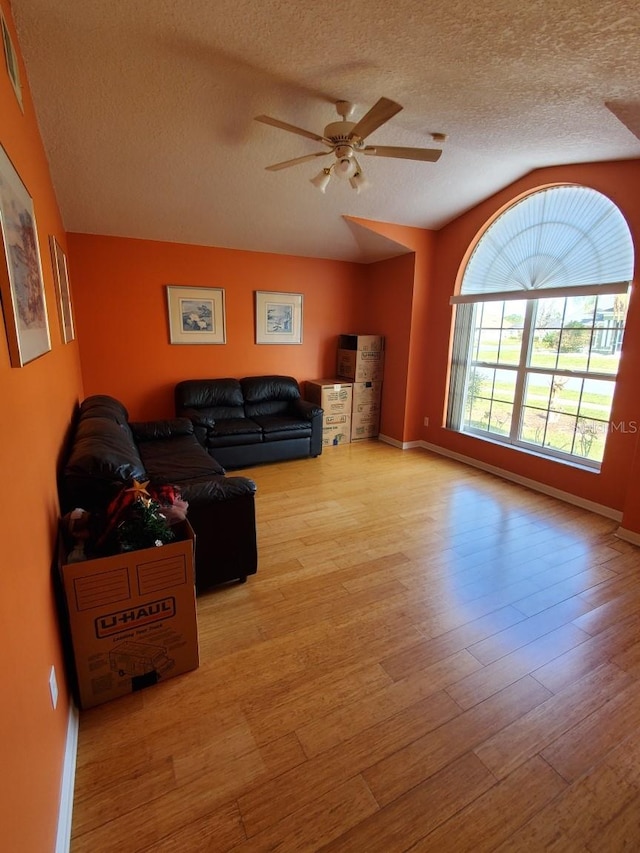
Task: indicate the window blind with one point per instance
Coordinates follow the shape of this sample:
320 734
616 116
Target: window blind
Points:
566 240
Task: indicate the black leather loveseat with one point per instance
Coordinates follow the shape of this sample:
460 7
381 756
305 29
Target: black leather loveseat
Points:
248 421
107 451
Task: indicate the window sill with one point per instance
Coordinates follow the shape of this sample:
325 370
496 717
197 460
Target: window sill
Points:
530 451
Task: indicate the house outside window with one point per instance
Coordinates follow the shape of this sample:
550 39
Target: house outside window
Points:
539 325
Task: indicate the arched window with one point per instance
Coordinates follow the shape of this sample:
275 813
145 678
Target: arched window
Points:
539 325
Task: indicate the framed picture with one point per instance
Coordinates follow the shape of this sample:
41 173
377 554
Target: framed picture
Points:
63 294
21 283
196 315
278 318
11 60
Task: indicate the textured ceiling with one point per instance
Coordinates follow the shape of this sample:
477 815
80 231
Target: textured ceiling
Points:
146 109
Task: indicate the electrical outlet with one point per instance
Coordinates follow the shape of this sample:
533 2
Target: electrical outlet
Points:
53 687
426 421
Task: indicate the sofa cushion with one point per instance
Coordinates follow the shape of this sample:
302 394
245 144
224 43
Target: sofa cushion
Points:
103 456
268 408
209 394
103 406
176 459
234 431
277 427
105 449
210 415
269 395
153 430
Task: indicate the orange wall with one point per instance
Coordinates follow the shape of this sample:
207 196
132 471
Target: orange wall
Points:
121 313
619 181
400 309
37 402
387 311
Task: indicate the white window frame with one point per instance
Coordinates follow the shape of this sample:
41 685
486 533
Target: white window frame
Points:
523 369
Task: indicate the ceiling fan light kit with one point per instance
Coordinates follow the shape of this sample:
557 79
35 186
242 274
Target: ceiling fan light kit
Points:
321 180
344 168
346 138
341 169
359 182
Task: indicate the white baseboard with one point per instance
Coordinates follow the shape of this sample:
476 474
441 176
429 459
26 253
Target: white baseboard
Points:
591 506
402 445
628 535
63 838
583 503
392 441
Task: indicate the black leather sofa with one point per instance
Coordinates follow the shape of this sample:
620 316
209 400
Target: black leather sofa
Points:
106 451
253 420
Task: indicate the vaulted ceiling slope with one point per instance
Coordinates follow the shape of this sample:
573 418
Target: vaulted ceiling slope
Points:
147 109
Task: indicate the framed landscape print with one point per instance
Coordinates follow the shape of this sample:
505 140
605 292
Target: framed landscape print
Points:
278 318
11 60
61 278
196 315
21 283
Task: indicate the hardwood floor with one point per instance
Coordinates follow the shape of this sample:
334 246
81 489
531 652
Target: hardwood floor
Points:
429 659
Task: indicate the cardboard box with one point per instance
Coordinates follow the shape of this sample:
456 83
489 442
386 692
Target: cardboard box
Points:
367 393
366 408
332 395
336 420
361 365
364 343
365 423
131 618
338 431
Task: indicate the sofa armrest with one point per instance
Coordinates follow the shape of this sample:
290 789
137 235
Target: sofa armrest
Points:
307 410
217 488
154 430
226 547
314 414
202 422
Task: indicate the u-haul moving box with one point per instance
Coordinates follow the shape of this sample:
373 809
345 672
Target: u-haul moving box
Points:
366 394
365 423
361 357
366 366
332 395
336 429
131 618
364 343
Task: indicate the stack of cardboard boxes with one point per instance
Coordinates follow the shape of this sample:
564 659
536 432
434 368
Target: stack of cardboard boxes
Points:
361 359
351 402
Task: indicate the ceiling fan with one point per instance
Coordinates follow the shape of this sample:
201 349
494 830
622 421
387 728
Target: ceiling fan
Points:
345 139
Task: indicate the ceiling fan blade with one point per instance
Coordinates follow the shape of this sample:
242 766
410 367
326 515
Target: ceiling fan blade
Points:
305 158
274 122
429 155
381 111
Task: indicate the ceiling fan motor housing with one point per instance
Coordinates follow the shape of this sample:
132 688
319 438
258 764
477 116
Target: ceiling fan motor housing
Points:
338 132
